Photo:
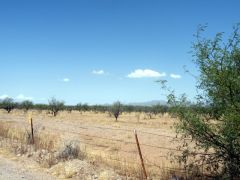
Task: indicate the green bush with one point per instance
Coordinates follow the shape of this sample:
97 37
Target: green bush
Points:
214 121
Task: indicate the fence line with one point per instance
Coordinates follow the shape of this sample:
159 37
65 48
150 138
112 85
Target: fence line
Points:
133 143
147 163
126 142
131 130
129 142
126 130
102 146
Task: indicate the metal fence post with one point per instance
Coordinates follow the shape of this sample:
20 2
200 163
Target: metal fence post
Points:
140 154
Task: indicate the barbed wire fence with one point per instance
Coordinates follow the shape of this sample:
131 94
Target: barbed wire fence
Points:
85 139
125 160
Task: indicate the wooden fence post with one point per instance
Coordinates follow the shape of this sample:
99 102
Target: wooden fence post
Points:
32 133
140 154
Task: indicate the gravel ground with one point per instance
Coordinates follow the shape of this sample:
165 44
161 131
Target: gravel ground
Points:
12 170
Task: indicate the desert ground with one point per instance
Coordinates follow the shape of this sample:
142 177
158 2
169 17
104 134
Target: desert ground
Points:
13 167
108 148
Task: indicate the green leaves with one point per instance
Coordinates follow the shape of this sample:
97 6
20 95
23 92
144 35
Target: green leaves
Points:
214 122
8 104
116 109
26 105
55 106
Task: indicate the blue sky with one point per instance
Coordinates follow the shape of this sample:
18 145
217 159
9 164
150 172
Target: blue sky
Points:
100 51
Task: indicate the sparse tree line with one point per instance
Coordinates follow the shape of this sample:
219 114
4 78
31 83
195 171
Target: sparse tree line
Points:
54 106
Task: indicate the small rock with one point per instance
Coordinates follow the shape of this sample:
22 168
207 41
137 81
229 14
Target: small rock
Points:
29 155
95 177
108 174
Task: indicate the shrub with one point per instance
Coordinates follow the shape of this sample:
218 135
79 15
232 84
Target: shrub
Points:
214 123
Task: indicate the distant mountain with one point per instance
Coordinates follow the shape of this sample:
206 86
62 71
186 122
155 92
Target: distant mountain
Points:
149 103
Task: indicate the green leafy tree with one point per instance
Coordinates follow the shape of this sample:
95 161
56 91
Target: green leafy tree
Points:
128 108
78 107
69 109
26 105
156 109
8 104
55 106
116 109
85 107
41 107
214 121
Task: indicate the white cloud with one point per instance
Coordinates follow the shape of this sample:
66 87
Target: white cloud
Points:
98 72
175 76
66 80
145 73
4 96
21 97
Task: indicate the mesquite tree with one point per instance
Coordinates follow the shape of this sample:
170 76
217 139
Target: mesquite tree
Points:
217 130
55 106
116 109
8 104
26 105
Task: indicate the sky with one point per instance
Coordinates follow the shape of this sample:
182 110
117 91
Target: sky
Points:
101 51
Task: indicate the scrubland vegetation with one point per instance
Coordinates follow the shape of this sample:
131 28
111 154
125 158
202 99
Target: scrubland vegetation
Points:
97 138
181 140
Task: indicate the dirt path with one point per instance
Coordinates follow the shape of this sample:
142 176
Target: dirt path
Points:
14 170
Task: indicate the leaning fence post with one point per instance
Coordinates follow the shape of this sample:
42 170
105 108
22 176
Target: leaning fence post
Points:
140 154
32 133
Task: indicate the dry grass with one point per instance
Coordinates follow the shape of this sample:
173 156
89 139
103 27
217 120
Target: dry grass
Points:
80 127
42 140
